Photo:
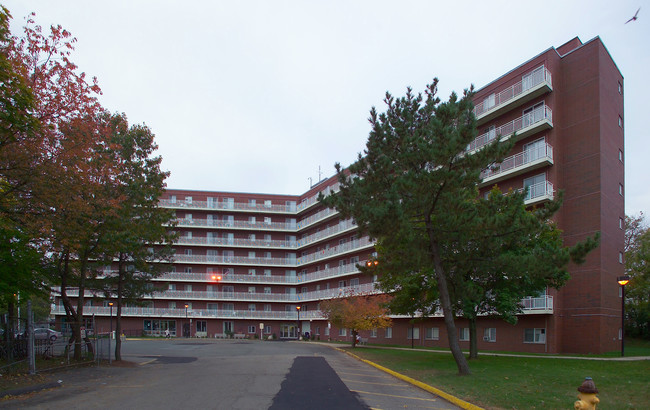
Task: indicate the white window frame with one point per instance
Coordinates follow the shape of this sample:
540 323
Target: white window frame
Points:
538 335
463 334
432 333
490 334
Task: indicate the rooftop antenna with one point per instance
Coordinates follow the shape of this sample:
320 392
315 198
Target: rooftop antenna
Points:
310 183
319 174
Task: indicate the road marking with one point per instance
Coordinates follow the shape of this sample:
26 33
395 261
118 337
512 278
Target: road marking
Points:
381 376
380 384
147 362
392 395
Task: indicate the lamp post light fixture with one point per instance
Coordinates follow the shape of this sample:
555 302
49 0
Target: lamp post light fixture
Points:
110 335
623 280
298 327
188 323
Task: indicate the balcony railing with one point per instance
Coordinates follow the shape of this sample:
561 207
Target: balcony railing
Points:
542 303
238 242
235 260
196 313
529 82
538 192
339 249
338 271
529 120
519 161
225 205
307 202
257 226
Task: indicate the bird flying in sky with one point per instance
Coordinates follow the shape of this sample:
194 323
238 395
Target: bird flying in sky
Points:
635 16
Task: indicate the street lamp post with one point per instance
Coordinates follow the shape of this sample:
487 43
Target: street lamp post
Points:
110 335
188 323
623 280
298 327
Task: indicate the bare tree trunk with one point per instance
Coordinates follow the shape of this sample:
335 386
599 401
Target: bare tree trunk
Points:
445 302
473 348
354 338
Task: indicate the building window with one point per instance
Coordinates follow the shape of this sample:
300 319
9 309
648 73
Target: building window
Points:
267 272
251 255
620 333
388 333
489 102
267 220
620 121
464 334
188 199
317 330
621 223
267 307
413 333
187 269
251 289
188 252
620 189
251 329
172 286
327 331
620 155
267 330
172 305
267 290
373 332
490 334
620 88
433 333
173 199
188 287
251 307
534 335
620 257
342 332
251 272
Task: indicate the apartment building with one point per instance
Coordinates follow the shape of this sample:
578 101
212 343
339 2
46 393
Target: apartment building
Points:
257 265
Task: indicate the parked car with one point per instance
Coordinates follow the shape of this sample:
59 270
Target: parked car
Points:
45 333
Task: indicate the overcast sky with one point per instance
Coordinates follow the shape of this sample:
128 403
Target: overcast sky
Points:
255 96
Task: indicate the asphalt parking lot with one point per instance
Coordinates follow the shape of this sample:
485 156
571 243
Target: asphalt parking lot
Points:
229 374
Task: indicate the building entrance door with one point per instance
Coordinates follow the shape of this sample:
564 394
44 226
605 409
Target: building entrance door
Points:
288 332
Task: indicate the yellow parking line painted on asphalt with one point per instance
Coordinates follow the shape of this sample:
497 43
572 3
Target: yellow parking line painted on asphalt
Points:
380 384
381 376
392 395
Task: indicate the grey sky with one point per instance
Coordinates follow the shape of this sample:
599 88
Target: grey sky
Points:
254 96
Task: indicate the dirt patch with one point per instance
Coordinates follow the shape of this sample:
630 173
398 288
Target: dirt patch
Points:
123 363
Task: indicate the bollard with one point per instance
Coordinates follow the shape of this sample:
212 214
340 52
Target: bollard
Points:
587 396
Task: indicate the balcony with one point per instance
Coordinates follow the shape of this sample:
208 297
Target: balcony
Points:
228 206
335 272
256 226
144 312
539 305
525 161
350 246
237 242
538 193
313 200
532 85
235 260
541 118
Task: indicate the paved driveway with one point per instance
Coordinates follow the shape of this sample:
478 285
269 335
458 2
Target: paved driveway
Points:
225 374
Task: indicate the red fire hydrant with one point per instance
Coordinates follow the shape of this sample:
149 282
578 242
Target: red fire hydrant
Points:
587 396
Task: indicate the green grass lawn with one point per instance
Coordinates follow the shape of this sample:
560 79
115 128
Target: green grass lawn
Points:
499 382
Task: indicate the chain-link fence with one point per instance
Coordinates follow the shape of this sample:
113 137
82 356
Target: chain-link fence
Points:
25 347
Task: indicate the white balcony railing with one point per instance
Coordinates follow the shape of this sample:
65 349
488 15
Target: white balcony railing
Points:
257 226
530 81
529 120
538 192
289 280
520 161
542 303
225 205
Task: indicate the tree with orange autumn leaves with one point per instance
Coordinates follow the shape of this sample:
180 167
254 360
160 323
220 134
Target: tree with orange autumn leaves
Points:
357 312
65 166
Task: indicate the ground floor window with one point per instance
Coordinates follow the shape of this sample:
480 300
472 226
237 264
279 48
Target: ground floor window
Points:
413 333
490 334
201 328
433 333
373 332
534 335
251 329
267 330
464 334
342 332
155 327
288 332
227 328
388 333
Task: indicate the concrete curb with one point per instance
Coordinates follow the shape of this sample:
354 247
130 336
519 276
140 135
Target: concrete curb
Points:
452 399
30 389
